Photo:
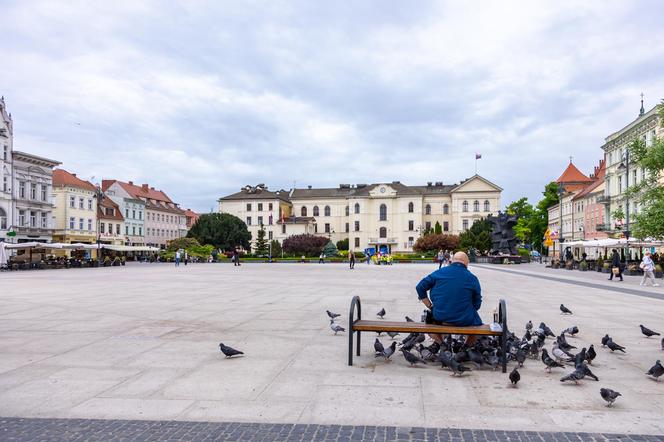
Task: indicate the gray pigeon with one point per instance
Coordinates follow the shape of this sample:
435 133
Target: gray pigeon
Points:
575 376
656 370
609 395
605 339
529 325
549 362
457 368
546 330
613 346
662 343
559 354
520 357
408 319
378 346
411 358
515 377
646 331
331 314
392 334
589 373
389 351
381 313
336 328
444 357
571 330
562 343
229 351
590 354
564 310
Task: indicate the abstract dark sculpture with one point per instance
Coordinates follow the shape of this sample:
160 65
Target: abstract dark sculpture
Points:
503 239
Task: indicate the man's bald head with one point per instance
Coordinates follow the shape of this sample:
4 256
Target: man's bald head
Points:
461 257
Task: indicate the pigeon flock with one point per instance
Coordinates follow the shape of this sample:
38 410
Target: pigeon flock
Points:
454 354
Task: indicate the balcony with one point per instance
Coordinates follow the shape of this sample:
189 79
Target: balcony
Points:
603 227
603 199
33 231
383 241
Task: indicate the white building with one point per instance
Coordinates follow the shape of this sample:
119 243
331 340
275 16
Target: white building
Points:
384 216
6 147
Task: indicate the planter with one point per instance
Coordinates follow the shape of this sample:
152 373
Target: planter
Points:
659 274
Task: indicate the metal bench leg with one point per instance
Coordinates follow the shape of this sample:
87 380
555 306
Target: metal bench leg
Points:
503 344
355 302
358 342
350 344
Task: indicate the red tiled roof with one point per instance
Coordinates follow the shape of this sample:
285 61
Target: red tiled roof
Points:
63 178
142 191
109 203
573 175
598 178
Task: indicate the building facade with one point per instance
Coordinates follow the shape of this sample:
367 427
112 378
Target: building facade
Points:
6 169
191 218
383 216
111 222
75 209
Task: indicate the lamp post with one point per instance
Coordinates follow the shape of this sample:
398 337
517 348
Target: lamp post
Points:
99 195
624 165
561 191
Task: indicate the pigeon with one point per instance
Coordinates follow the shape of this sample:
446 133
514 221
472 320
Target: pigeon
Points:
550 363
411 358
613 346
527 336
425 353
229 351
475 357
336 328
656 370
381 313
529 325
445 358
562 343
564 310
389 351
520 357
589 373
590 354
609 395
392 334
378 346
605 339
662 343
546 330
571 330
457 368
515 377
560 355
646 331
575 376
407 318
580 357
331 314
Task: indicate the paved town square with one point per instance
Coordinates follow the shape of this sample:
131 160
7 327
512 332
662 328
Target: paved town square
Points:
141 343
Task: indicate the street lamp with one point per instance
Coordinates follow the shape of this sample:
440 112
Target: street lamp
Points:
624 165
99 195
561 191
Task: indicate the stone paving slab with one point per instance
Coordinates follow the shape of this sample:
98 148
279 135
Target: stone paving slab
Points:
24 430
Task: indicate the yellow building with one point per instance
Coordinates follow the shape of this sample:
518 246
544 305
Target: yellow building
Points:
75 212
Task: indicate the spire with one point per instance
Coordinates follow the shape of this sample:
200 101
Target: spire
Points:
642 111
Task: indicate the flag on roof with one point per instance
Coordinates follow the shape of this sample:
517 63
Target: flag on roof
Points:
478 156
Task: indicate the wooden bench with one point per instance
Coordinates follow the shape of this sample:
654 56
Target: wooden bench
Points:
358 325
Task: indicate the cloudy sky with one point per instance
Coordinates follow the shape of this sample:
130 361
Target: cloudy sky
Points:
201 98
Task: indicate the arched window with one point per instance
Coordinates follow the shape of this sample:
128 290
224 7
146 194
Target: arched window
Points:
357 207
487 206
303 211
383 212
3 219
411 207
383 232
427 209
446 209
465 206
316 211
476 206
347 211
326 211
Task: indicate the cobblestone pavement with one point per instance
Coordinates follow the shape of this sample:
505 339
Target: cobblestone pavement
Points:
21 429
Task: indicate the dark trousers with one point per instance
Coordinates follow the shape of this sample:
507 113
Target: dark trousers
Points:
619 274
352 263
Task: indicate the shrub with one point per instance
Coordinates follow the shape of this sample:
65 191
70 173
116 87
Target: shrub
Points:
583 266
434 242
524 253
342 244
309 245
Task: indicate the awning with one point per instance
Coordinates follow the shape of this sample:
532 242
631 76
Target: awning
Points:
123 248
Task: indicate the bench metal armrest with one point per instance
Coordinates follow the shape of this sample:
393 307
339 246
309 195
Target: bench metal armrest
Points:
354 303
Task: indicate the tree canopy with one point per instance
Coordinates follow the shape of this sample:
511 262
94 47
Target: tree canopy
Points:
478 237
533 221
308 245
434 242
261 245
221 230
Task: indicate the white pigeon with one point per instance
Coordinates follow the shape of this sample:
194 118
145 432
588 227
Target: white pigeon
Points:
336 328
559 354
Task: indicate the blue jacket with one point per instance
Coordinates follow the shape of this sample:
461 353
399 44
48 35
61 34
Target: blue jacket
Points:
455 293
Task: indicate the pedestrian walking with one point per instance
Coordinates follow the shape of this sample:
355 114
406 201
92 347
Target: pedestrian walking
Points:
448 257
616 269
441 258
236 258
186 257
351 258
177 258
368 258
648 267
321 258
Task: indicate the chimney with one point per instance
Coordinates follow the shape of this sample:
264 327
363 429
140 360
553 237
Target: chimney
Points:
145 187
428 183
73 174
309 186
131 183
152 188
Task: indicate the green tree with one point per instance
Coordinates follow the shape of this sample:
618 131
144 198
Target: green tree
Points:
260 245
525 213
182 243
276 247
222 230
649 222
478 237
330 249
437 229
433 243
343 244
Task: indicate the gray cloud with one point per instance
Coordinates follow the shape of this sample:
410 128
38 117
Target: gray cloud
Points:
200 98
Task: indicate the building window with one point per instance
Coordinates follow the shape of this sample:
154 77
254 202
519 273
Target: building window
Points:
140 231
72 202
89 224
127 230
3 219
133 214
427 226
33 219
347 210
81 223
260 220
72 223
327 211
81 203
411 207
382 213
446 226
117 229
465 206
315 228
303 211
269 207
327 227
102 228
357 226
260 207
357 207
446 209
44 189
357 242
465 225
248 220
411 225
140 214
269 219
476 206
347 227
427 209
33 191
133 230
316 212
4 183
283 229
248 207
382 232
21 189
127 214
5 152
89 203
269 235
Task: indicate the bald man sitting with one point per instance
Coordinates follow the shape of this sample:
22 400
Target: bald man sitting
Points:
454 295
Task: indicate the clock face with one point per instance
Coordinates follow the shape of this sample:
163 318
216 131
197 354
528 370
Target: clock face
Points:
382 190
